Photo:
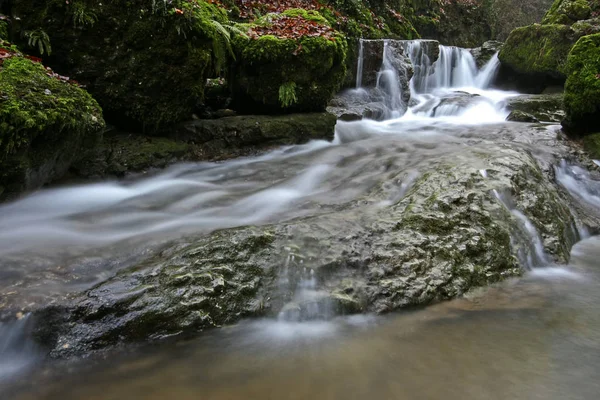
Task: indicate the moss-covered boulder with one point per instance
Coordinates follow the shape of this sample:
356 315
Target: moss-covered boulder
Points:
539 51
145 61
290 62
582 90
567 12
46 123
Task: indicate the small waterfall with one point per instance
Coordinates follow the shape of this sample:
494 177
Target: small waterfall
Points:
537 257
389 84
359 67
454 68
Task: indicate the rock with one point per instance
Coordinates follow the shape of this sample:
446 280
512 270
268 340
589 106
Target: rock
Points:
450 104
447 235
520 116
146 65
247 132
544 107
567 12
374 99
539 52
582 90
46 124
274 75
485 53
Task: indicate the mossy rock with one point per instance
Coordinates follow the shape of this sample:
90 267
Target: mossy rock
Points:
45 125
567 12
275 75
539 50
591 144
145 61
582 90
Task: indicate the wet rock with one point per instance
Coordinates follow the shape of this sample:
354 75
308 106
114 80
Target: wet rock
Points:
386 71
447 234
256 131
520 116
544 107
487 50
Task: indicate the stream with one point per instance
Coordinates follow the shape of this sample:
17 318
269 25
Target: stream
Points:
533 337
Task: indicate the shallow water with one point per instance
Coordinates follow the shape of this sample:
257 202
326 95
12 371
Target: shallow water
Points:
532 338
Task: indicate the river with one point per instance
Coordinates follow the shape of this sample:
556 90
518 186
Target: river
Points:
534 337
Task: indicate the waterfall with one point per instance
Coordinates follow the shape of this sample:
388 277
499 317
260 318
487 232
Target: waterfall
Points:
359 67
454 68
436 80
389 83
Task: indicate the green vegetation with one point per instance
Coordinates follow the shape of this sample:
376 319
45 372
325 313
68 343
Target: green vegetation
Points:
40 40
582 89
539 50
295 73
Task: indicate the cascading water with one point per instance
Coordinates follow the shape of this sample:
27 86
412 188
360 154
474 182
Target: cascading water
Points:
445 83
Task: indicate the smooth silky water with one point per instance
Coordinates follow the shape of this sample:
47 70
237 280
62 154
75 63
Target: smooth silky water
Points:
536 337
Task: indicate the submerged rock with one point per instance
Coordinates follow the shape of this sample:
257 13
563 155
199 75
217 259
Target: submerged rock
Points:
449 230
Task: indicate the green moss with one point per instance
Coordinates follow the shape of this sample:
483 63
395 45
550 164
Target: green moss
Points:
591 144
539 49
265 65
582 89
44 124
567 12
33 104
309 15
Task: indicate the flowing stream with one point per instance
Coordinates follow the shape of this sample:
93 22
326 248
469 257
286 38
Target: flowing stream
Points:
537 337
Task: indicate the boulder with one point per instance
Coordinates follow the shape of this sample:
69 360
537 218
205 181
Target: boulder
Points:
447 234
539 52
542 107
275 74
145 62
582 89
46 124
